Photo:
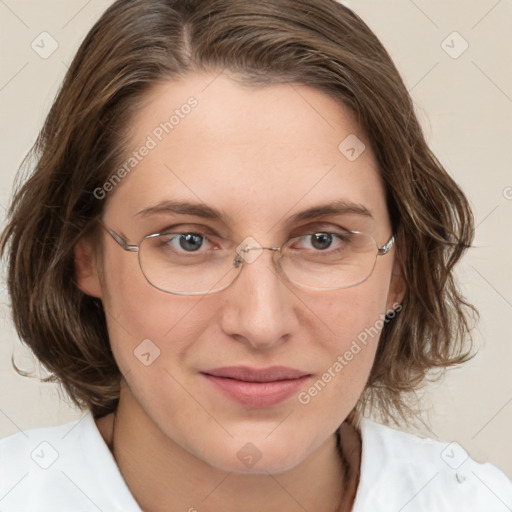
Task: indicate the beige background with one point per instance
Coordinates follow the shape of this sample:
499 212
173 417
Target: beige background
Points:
465 104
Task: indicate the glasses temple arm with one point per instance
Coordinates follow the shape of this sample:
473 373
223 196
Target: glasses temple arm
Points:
387 246
119 240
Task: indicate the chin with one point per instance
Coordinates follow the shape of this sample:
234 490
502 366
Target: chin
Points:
260 456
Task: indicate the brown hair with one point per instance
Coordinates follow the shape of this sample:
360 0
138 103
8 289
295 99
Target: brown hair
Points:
319 43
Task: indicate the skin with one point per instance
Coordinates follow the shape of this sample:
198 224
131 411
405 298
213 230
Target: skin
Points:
260 156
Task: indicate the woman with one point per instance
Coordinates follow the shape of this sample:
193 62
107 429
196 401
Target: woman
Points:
235 241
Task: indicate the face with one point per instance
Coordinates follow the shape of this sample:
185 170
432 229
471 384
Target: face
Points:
258 157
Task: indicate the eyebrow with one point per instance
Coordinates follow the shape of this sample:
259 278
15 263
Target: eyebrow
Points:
184 208
337 207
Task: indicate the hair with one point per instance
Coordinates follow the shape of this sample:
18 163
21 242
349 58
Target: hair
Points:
138 44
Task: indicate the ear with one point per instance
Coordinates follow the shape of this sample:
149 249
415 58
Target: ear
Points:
397 287
86 270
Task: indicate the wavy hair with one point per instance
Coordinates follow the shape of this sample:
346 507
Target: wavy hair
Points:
319 43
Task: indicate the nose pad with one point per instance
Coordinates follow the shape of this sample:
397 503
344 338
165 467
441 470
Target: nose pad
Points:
249 250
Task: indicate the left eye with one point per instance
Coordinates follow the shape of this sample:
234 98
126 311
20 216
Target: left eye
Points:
188 242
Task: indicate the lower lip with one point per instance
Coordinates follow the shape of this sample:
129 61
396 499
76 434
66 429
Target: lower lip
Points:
258 394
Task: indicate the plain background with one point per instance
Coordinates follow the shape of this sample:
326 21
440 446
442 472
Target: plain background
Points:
464 100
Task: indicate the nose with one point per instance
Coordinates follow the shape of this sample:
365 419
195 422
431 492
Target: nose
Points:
259 307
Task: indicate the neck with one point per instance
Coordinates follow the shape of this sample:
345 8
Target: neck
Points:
160 474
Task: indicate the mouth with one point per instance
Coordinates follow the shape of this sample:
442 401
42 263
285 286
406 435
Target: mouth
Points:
257 387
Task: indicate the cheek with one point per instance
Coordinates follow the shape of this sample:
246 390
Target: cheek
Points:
142 319
351 322
355 313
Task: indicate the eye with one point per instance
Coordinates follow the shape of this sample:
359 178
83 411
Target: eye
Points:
323 241
187 242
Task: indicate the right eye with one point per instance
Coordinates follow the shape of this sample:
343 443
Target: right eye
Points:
326 242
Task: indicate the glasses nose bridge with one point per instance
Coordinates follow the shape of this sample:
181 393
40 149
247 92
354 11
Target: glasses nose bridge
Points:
239 258
251 248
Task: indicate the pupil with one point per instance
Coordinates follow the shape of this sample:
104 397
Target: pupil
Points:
321 240
191 242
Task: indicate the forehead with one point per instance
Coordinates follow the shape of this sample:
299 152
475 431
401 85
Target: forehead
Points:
256 154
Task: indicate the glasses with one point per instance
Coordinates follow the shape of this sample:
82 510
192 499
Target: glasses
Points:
193 263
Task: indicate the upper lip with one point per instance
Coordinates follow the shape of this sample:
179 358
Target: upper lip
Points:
247 374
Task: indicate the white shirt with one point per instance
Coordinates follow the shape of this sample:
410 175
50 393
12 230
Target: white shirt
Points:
69 468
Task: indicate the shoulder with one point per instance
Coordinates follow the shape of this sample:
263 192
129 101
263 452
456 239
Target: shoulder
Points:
68 467
401 471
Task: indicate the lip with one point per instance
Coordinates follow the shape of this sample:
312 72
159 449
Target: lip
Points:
257 387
